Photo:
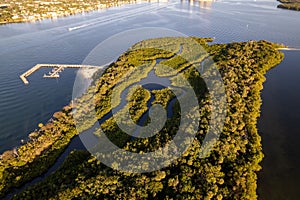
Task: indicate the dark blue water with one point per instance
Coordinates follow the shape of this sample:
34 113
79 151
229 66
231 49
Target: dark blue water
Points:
24 45
280 130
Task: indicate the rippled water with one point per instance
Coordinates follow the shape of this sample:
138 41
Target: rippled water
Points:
69 40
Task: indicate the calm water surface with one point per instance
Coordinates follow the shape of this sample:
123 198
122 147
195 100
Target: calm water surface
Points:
280 130
69 40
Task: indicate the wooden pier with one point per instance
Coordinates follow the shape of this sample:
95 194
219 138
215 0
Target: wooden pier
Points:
57 68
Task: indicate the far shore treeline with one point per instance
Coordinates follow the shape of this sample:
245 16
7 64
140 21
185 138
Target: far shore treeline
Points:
16 11
290 4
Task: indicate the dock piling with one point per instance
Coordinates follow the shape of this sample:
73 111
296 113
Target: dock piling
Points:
57 68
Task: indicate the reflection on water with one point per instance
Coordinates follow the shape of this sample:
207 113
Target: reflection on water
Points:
198 3
194 6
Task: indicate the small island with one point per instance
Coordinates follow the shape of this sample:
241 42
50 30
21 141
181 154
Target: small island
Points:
230 170
290 4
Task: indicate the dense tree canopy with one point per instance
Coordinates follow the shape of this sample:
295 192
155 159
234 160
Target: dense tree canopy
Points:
229 172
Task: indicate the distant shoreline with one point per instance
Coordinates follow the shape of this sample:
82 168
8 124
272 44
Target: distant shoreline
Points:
289 4
13 12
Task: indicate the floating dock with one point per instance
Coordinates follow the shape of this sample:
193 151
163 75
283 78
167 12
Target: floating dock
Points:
57 68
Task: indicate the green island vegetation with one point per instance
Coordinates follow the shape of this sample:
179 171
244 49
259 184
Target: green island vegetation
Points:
290 4
14 11
229 172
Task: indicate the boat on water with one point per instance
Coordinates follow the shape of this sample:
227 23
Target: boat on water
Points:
51 75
